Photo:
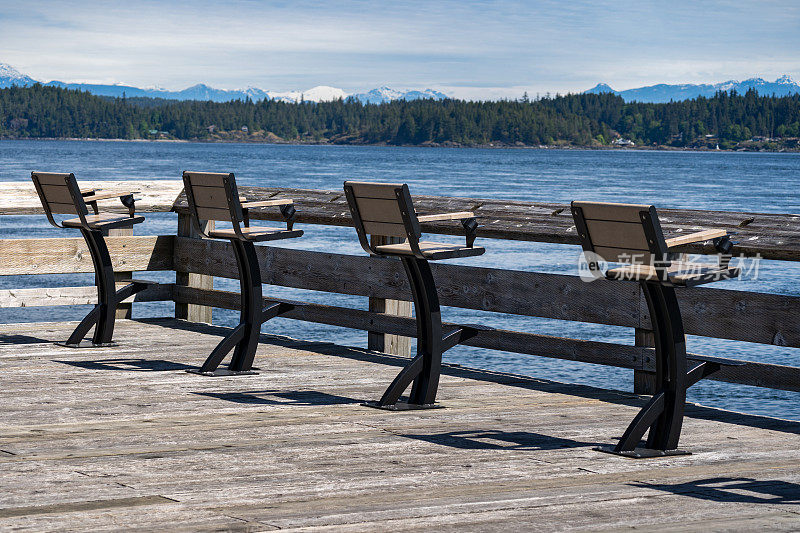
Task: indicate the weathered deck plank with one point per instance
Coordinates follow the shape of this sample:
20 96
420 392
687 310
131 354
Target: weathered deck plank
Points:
113 438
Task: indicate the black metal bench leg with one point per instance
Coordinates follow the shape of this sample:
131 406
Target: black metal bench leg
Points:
666 431
243 340
103 314
429 332
663 414
252 303
425 368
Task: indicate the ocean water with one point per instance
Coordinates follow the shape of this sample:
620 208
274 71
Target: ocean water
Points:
756 182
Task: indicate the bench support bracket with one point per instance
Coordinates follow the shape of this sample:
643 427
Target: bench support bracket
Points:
422 373
243 340
663 414
104 312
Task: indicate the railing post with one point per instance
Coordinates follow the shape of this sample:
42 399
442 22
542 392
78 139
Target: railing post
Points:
193 312
385 342
124 310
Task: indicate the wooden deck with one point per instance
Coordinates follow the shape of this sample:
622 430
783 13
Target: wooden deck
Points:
123 438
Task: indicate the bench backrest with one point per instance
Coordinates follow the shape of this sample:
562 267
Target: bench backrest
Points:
383 210
59 194
213 196
620 233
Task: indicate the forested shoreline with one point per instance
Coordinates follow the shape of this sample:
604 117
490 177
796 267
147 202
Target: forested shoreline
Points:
729 121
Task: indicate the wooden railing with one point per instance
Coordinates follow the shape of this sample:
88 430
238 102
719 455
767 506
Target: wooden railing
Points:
726 314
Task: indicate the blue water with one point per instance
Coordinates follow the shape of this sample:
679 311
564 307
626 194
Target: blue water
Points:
760 182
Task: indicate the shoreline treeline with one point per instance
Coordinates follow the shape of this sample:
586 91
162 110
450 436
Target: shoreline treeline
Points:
578 120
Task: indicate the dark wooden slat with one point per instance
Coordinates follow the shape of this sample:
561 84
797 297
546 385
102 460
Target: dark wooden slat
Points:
62 209
211 213
618 234
611 212
52 178
377 210
624 255
210 197
57 193
208 179
374 190
386 229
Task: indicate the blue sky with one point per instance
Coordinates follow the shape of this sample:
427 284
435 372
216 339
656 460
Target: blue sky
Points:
480 49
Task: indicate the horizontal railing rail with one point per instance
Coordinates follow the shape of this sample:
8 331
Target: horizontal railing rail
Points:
770 235
69 255
737 315
755 317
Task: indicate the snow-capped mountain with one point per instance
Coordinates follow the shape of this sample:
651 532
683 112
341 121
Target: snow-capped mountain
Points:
10 77
660 93
320 93
387 94
195 92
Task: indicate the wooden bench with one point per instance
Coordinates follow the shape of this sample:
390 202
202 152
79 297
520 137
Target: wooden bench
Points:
631 236
60 194
214 196
386 210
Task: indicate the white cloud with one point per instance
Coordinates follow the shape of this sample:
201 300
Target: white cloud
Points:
491 48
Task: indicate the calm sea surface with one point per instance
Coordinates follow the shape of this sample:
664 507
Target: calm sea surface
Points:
757 182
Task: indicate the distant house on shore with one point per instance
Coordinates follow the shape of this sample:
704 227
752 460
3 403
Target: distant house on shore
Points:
623 142
245 129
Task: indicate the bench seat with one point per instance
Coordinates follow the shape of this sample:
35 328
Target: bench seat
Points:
256 234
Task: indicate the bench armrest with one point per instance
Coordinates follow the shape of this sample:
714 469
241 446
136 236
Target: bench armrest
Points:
286 205
446 216
265 203
125 197
700 236
467 219
94 196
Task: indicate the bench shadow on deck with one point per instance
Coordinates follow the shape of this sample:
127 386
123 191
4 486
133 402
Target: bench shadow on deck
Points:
489 376
135 441
448 369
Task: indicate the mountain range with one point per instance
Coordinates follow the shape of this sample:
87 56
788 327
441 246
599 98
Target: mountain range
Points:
9 76
783 86
661 93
